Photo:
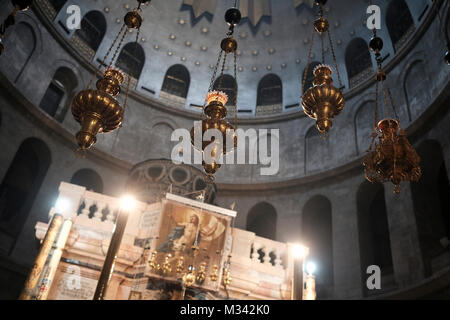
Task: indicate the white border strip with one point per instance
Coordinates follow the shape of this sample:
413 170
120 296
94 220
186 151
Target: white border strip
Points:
194 203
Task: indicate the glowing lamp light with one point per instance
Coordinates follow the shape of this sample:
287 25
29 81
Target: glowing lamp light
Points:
127 203
311 268
61 205
299 251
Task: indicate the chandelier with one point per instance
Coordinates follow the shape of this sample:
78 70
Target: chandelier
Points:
323 101
19 5
97 110
214 111
390 157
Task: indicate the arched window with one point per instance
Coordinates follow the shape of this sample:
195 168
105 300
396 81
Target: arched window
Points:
317 235
374 240
228 86
19 188
93 28
176 82
58 4
131 59
89 179
358 61
262 220
270 90
399 22
310 76
431 198
57 99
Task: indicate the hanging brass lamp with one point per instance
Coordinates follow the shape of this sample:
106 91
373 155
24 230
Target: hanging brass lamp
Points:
390 156
19 5
97 110
214 111
323 101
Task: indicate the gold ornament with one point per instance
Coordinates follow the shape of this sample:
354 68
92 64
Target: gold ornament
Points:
323 101
152 261
214 110
97 110
166 267
189 278
215 274
201 274
392 158
180 265
226 276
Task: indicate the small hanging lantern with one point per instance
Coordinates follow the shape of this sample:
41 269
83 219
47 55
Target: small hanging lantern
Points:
214 110
97 110
390 156
323 101
19 5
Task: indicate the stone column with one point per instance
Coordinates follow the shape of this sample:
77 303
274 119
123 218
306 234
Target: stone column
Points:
346 260
406 254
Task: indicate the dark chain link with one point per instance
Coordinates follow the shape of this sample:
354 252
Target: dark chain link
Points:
308 60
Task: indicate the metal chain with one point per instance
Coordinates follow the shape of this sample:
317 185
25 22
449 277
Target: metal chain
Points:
219 85
392 104
308 59
133 65
334 59
388 115
118 48
105 57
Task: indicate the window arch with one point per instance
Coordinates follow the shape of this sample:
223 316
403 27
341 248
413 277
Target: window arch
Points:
270 90
58 4
399 22
131 59
57 99
317 235
431 199
19 188
93 29
262 220
357 61
176 81
310 76
89 179
228 86
373 227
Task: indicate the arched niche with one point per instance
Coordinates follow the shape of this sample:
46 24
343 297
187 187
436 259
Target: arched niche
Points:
262 220
431 199
317 234
374 238
89 179
19 188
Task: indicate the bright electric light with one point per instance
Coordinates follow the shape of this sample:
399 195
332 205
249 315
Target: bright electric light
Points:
127 203
311 268
61 205
299 251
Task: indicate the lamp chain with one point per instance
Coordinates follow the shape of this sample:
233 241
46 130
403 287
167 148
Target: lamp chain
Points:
308 59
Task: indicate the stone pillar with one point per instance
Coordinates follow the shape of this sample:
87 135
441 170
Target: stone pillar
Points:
346 260
406 254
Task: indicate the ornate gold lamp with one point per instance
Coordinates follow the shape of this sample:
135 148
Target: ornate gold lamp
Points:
323 101
390 156
97 110
19 5
214 111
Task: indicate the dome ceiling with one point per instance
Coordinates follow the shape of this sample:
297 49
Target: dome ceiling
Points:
273 38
